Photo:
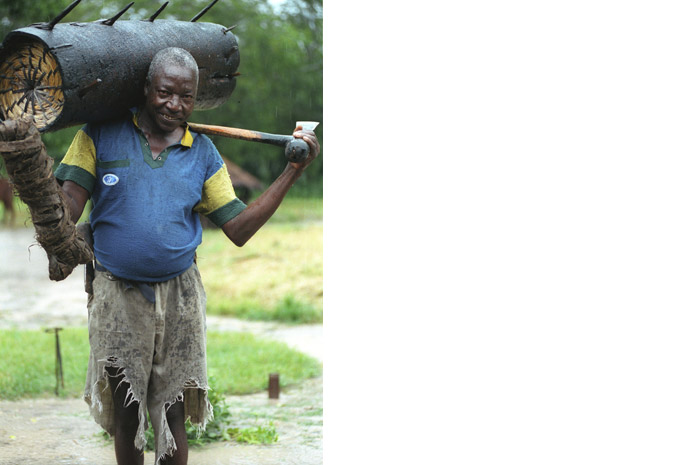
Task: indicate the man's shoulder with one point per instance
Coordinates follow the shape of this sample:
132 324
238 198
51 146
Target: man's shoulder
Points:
201 139
204 146
109 127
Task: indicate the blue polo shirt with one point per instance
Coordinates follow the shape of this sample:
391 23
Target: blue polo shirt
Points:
145 211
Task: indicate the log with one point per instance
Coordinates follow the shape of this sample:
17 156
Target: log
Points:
76 73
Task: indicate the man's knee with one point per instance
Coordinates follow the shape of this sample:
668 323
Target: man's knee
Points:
126 424
175 413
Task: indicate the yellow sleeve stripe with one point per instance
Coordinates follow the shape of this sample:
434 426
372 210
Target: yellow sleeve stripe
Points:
82 153
217 192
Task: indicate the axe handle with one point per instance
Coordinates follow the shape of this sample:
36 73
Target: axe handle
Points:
243 134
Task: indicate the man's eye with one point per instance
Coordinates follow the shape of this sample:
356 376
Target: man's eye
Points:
163 93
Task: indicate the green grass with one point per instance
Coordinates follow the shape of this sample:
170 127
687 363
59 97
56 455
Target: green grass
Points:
276 276
27 367
261 434
240 363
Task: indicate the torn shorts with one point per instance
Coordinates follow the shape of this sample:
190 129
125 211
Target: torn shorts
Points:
159 347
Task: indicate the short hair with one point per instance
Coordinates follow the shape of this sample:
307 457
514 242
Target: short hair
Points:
173 56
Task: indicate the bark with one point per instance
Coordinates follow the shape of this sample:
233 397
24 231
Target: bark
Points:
30 170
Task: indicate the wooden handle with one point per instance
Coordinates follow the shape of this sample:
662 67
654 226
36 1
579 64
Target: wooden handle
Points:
295 150
243 134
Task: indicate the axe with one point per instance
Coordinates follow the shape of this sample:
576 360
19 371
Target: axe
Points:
295 150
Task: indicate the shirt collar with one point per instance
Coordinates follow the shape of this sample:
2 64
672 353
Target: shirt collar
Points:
187 139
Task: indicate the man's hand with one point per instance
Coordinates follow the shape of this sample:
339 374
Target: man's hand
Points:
241 228
311 139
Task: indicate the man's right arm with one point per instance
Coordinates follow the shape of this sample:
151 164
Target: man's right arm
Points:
77 172
77 198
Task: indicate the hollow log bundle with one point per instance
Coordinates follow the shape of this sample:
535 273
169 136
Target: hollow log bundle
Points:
65 74
29 168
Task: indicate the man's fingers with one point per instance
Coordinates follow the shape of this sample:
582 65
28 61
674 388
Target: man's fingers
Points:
308 136
313 143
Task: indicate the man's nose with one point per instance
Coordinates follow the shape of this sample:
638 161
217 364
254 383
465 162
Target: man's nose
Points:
174 103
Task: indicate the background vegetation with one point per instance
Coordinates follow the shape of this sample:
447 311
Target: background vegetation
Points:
277 275
239 363
281 70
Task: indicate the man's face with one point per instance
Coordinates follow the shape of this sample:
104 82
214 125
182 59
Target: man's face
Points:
169 98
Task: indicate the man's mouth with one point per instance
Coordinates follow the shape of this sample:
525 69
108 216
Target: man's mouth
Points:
169 118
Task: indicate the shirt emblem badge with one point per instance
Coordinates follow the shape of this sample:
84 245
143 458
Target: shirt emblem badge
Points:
110 179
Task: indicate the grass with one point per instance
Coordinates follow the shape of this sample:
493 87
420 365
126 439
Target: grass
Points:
240 363
298 210
276 276
27 368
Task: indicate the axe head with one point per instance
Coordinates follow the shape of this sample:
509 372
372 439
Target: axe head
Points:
307 125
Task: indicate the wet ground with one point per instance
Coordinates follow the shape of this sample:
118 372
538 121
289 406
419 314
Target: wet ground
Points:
59 431
28 299
55 431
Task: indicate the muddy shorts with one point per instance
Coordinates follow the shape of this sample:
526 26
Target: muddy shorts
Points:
159 347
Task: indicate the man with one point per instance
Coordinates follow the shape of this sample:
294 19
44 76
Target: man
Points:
7 199
149 177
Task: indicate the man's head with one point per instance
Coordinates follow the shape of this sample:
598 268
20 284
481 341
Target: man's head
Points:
170 89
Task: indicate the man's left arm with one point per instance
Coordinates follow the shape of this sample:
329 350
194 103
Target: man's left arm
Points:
241 228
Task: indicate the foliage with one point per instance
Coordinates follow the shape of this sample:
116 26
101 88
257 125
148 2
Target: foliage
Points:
281 70
239 362
261 434
221 427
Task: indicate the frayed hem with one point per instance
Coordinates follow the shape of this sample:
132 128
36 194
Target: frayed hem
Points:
200 423
101 387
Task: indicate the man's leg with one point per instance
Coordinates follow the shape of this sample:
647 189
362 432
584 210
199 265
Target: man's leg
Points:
126 422
175 420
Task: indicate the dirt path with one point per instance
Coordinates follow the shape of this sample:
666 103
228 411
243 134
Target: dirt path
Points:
59 431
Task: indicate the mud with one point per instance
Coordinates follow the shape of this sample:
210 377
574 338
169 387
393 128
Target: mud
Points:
60 431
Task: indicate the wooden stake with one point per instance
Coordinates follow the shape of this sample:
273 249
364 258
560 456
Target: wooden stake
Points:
274 386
